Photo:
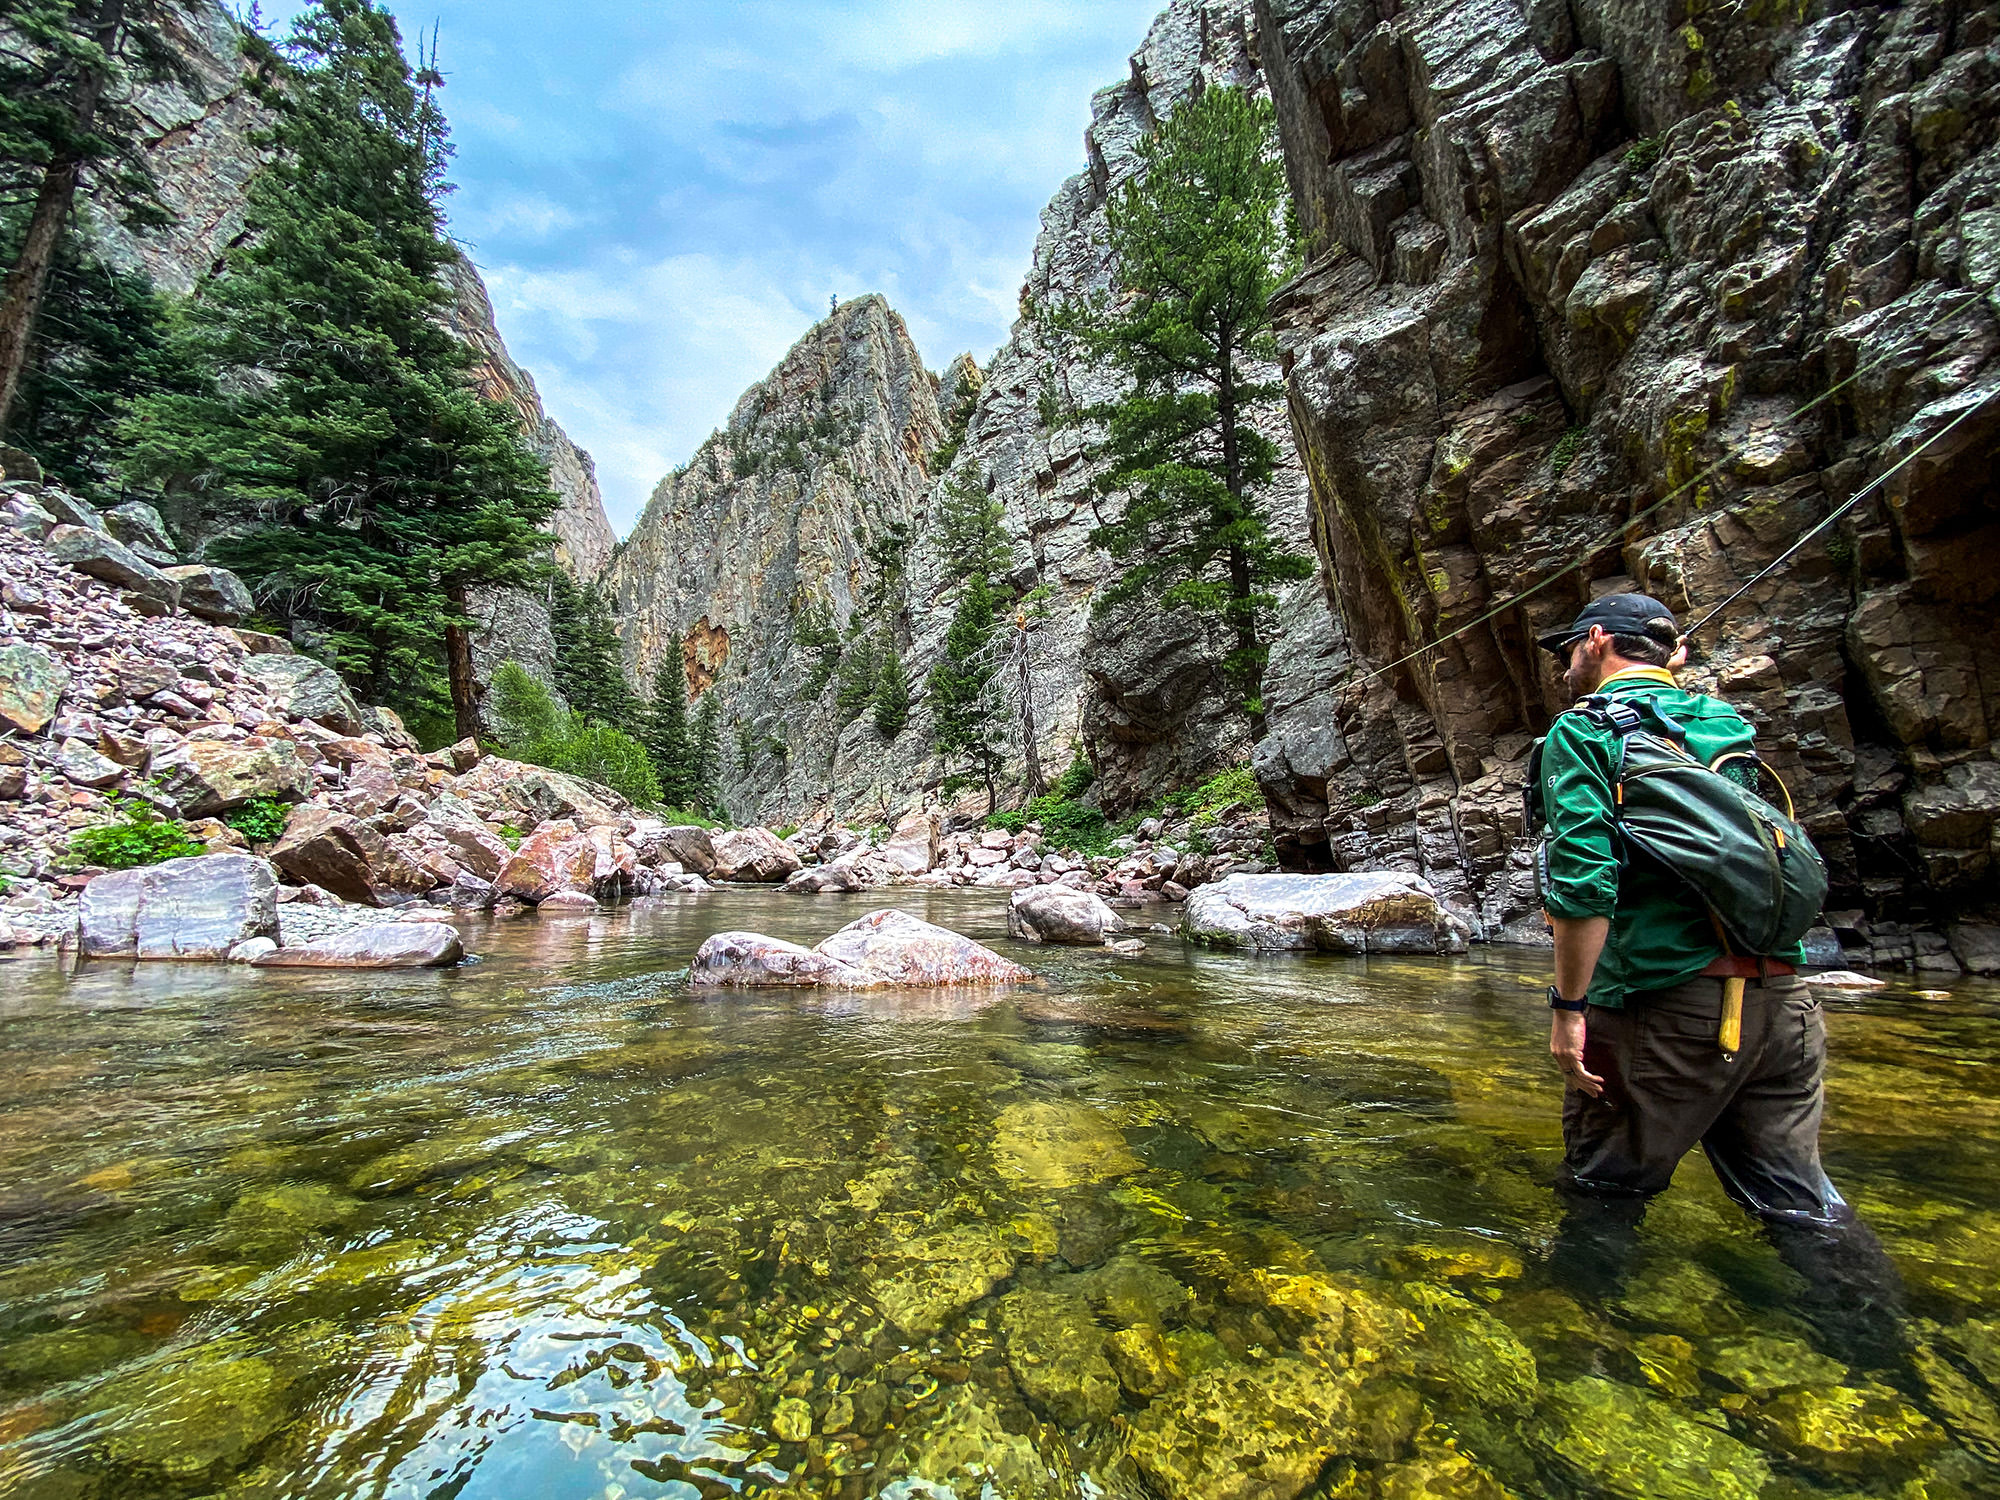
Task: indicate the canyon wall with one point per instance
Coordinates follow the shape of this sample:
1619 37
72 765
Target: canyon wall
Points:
1139 694
1646 288
202 149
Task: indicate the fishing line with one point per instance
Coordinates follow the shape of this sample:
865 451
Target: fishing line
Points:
1838 511
1629 522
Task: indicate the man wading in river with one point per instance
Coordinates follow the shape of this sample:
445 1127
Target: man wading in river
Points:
1640 967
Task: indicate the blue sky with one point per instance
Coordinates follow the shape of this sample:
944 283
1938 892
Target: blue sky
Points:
664 196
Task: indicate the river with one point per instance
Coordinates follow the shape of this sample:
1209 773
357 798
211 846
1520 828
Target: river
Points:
1184 1225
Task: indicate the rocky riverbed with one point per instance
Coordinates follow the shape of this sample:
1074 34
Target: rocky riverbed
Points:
1169 1227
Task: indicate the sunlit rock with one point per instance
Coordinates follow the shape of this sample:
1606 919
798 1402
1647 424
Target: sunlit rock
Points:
752 855
922 1283
1638 1447
1056 1353
1051 1146
1244 1433
1057 914
1848 1430
197 908
965 1449
893 947
1388 912
179 1419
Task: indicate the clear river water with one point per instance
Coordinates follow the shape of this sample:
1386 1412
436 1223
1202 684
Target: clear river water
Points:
1185 1226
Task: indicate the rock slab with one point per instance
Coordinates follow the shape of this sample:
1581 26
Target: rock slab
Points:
885 949
1387 912
385 945
196 908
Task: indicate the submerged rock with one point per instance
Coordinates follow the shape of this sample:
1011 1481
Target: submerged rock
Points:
1846 1430
1057 914
1056 1353
1637 1446
923 1283
197 908
181 1419
968 1450
385 945
1051 1146
1357 913
1244 1433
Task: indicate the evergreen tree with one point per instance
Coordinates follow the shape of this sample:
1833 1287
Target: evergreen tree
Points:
590 658
104 339
382 488
1199 244
854 690
668 739
708 755
892 695
969 531
67 115
960 686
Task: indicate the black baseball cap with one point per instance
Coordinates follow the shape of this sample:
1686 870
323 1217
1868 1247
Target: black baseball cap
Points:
1619 614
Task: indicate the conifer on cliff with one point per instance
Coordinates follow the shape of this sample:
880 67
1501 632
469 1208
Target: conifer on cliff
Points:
590 658
667 737
377 489
708 755
1199 245
68 122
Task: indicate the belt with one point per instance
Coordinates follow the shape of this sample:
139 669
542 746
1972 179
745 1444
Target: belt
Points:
1734 966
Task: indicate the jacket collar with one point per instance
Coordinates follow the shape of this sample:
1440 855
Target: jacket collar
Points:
1633 677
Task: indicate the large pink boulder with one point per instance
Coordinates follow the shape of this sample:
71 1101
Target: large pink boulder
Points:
753 855
885 949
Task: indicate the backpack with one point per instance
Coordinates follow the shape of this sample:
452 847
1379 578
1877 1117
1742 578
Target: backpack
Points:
1752 866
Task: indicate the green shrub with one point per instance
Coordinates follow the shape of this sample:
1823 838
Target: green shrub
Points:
787 831
1075 781
1642 156
524 710
261 820
139 837
682 817
510 835
1234 788
597 752
1565 451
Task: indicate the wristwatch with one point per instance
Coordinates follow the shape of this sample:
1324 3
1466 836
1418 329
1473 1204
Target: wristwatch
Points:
1556 1001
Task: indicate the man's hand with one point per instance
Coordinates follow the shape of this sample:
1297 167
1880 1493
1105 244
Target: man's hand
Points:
1566 1038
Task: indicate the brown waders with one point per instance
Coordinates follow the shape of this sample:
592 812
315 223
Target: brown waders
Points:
1669 1086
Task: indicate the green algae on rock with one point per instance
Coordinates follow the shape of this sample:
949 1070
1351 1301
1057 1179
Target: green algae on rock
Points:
1056 1353
1641 1448
1052 1146
1766 1364
1244 1432
967 1446
922 1284
182 1418
1470 1355
1846 1430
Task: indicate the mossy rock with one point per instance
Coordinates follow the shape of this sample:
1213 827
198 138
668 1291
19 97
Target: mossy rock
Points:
1849 1431
61 1354
1468 1355
1439 1472
1479 1262
1765 1365
1128 1293
1636 1446
1056 1353
966 1449
1667 1361
1145 1362
1681 1298
1961 1371
295 1205
1244 1432
182 1419
1052 1146
924 1283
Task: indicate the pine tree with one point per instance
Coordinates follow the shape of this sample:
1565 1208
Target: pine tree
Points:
668 739
960 686
1198 240
104 339
708 755
380 488
67 120
892 695
590 657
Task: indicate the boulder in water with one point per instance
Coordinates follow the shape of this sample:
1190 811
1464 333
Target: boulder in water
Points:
196 908
752 855
885 949
913 848
384 945
1057 914
1364 912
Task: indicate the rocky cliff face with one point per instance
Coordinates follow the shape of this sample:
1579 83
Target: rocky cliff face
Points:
204 155
766 536
1570 261
1141 696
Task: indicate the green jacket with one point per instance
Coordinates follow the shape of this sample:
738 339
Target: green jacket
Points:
1660 935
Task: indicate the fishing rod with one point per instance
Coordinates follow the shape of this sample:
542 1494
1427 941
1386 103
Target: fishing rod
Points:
1513 600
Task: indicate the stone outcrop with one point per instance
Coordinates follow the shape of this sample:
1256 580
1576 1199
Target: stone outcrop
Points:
885 949
197 908
1578 266
1360 913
